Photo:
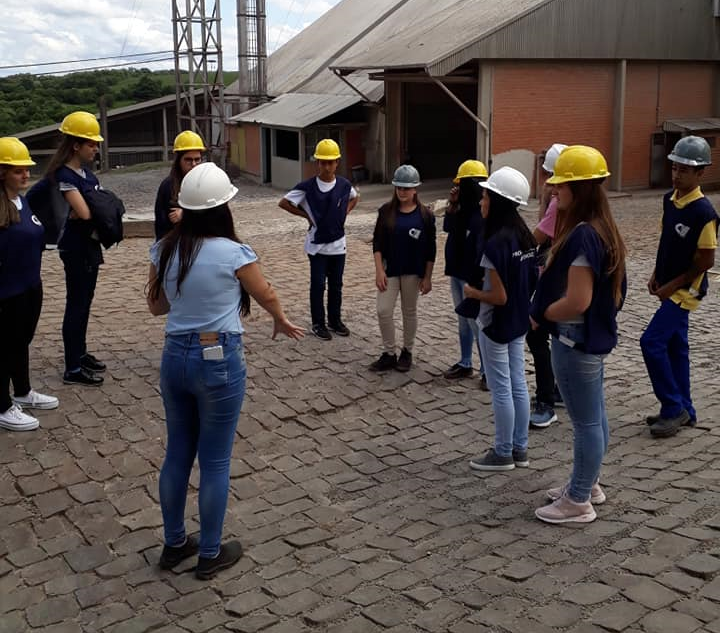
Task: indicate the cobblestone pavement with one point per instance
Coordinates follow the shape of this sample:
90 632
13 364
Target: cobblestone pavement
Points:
351 491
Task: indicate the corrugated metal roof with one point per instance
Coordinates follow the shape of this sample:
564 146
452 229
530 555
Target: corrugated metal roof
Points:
297 110
709 124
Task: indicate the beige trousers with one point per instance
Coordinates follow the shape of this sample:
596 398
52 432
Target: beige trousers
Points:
409 288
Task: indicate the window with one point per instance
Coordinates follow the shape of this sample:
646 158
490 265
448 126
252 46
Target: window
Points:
314 136
286 144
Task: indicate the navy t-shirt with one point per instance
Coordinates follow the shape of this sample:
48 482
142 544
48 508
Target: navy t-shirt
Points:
408 252
21 247
600 324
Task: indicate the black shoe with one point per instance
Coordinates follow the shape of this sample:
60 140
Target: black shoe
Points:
385 362
458 371
321 332
520 458
652 419
405 361
91 363
230 553
667 427
173 556
492 462
340 328
82 377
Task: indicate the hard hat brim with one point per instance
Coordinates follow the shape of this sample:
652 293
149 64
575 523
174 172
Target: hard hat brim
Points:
488 185
688 161
557 179
405 185
211 204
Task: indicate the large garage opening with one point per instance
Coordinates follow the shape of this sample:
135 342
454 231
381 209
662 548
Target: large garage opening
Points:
439 134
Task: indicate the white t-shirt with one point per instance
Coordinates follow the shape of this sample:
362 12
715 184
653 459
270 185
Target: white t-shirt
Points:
298 198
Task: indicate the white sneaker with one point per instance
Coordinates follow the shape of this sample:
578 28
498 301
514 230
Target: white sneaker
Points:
15 420
35 400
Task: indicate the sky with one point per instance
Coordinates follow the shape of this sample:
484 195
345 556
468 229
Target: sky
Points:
41 31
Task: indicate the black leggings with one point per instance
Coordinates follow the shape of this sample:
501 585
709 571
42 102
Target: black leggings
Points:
18 319
538 343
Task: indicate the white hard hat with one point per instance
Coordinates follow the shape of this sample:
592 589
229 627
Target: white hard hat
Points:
551 156
205 187
508 183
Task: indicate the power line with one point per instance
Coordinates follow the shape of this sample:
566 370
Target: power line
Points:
89 59
82 70
127 30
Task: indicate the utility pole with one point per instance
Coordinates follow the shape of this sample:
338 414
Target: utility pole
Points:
104 147
200 94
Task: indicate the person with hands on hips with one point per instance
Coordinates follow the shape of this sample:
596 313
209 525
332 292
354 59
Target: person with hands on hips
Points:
510 270
679 280
202 277
21 293
324 201
188 149
404 249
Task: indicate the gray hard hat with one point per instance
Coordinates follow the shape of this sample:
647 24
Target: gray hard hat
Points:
406 176
691 150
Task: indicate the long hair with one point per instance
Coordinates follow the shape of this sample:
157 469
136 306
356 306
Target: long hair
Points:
503 214
390 210
63 154
186 238
590 204
176 176
9 213
469 195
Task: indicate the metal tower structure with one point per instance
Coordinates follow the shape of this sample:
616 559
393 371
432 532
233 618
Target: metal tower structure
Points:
252 53
200 95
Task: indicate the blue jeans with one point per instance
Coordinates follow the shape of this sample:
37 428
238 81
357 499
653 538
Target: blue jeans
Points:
505 373
322 267
579 377
468 331
202 401
666 352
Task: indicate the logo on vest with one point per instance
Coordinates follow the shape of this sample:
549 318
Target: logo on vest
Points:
35 220
681 229
414 233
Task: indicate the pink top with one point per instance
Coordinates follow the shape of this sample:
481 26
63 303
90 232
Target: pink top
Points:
547 224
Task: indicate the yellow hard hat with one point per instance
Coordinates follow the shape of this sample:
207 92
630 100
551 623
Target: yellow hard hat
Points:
327 149
579 162
83 125
471 169
187 140
14 152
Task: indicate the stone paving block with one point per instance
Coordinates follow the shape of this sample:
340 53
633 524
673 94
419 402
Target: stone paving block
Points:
646 564
192 602
100 591
666 621
204 620
700 565
295 603
248 602
305 538
680 582
703 610
51 611
588 593
358 624
439 615
712 590
650 594
13 623
140 623
35 484
252 623
26 556
328 613
557 614
368 595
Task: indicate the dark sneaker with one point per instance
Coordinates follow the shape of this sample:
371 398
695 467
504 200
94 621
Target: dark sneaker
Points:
91 363
230 553
542 415
173 556
559 402
385 362
82 377
483 383
405 361
458 371
520 458
652 419
321 332
492 461
667 427
340 328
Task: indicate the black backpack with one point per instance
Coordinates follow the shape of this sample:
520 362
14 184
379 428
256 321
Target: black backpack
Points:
49 206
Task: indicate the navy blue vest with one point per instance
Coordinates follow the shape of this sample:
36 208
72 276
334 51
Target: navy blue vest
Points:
681 229
76 240
21 247
516 269
600 327
329 209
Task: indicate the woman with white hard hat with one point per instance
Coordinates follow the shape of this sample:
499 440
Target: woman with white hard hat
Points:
404 250
188 151
510 270
579 293
21 293
202 277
